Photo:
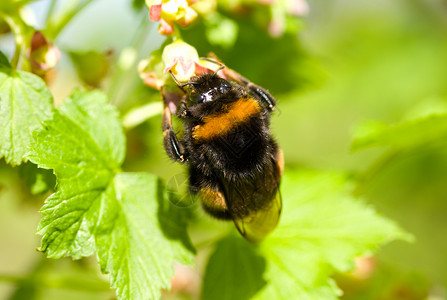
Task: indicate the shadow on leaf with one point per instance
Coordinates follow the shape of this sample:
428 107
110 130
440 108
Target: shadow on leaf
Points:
234 271
172 218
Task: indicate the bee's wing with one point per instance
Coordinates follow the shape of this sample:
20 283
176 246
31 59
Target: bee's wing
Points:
258 224
255 204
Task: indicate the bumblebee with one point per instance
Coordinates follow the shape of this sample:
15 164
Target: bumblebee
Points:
235 165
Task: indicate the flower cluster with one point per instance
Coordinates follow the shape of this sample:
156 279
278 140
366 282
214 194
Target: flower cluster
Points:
184 12
182 60
169 12
281 11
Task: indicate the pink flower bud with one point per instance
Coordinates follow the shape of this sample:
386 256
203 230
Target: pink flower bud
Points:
43 55
155 12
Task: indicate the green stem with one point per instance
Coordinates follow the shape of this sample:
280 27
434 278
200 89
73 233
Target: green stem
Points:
140 114
66 17
19 38
176 35
12 279
50 11
60 281
119 75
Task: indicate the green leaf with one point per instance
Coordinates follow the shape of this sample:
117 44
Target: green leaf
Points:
140 235
125 218
84 145
25 102
234 271
4 62
322 229
404 135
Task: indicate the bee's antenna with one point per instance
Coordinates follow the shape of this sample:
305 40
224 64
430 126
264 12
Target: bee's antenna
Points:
178 82
221 65
220 68
181 85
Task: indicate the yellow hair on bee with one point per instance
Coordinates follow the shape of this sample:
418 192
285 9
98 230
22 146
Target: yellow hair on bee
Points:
213 199
220 123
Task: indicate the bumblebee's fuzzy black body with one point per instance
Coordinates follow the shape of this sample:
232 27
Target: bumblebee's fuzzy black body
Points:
234 163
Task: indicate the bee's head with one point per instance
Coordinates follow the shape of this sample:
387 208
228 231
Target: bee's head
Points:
208 88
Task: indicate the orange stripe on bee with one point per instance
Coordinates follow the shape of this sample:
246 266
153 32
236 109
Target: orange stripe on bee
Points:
220 123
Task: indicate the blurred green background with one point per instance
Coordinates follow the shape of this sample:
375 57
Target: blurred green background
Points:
353 60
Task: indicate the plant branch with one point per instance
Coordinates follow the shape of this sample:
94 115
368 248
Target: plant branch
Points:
121 70
66 17
19 38
138 115
50 11
60 281
11 278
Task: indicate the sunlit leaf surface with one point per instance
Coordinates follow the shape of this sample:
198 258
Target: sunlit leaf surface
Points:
127 219
25 102
322 229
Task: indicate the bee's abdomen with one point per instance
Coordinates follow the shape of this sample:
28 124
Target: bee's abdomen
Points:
241 153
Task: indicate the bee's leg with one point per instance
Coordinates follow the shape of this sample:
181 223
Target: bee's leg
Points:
174 148
262 95
183 110
211 194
